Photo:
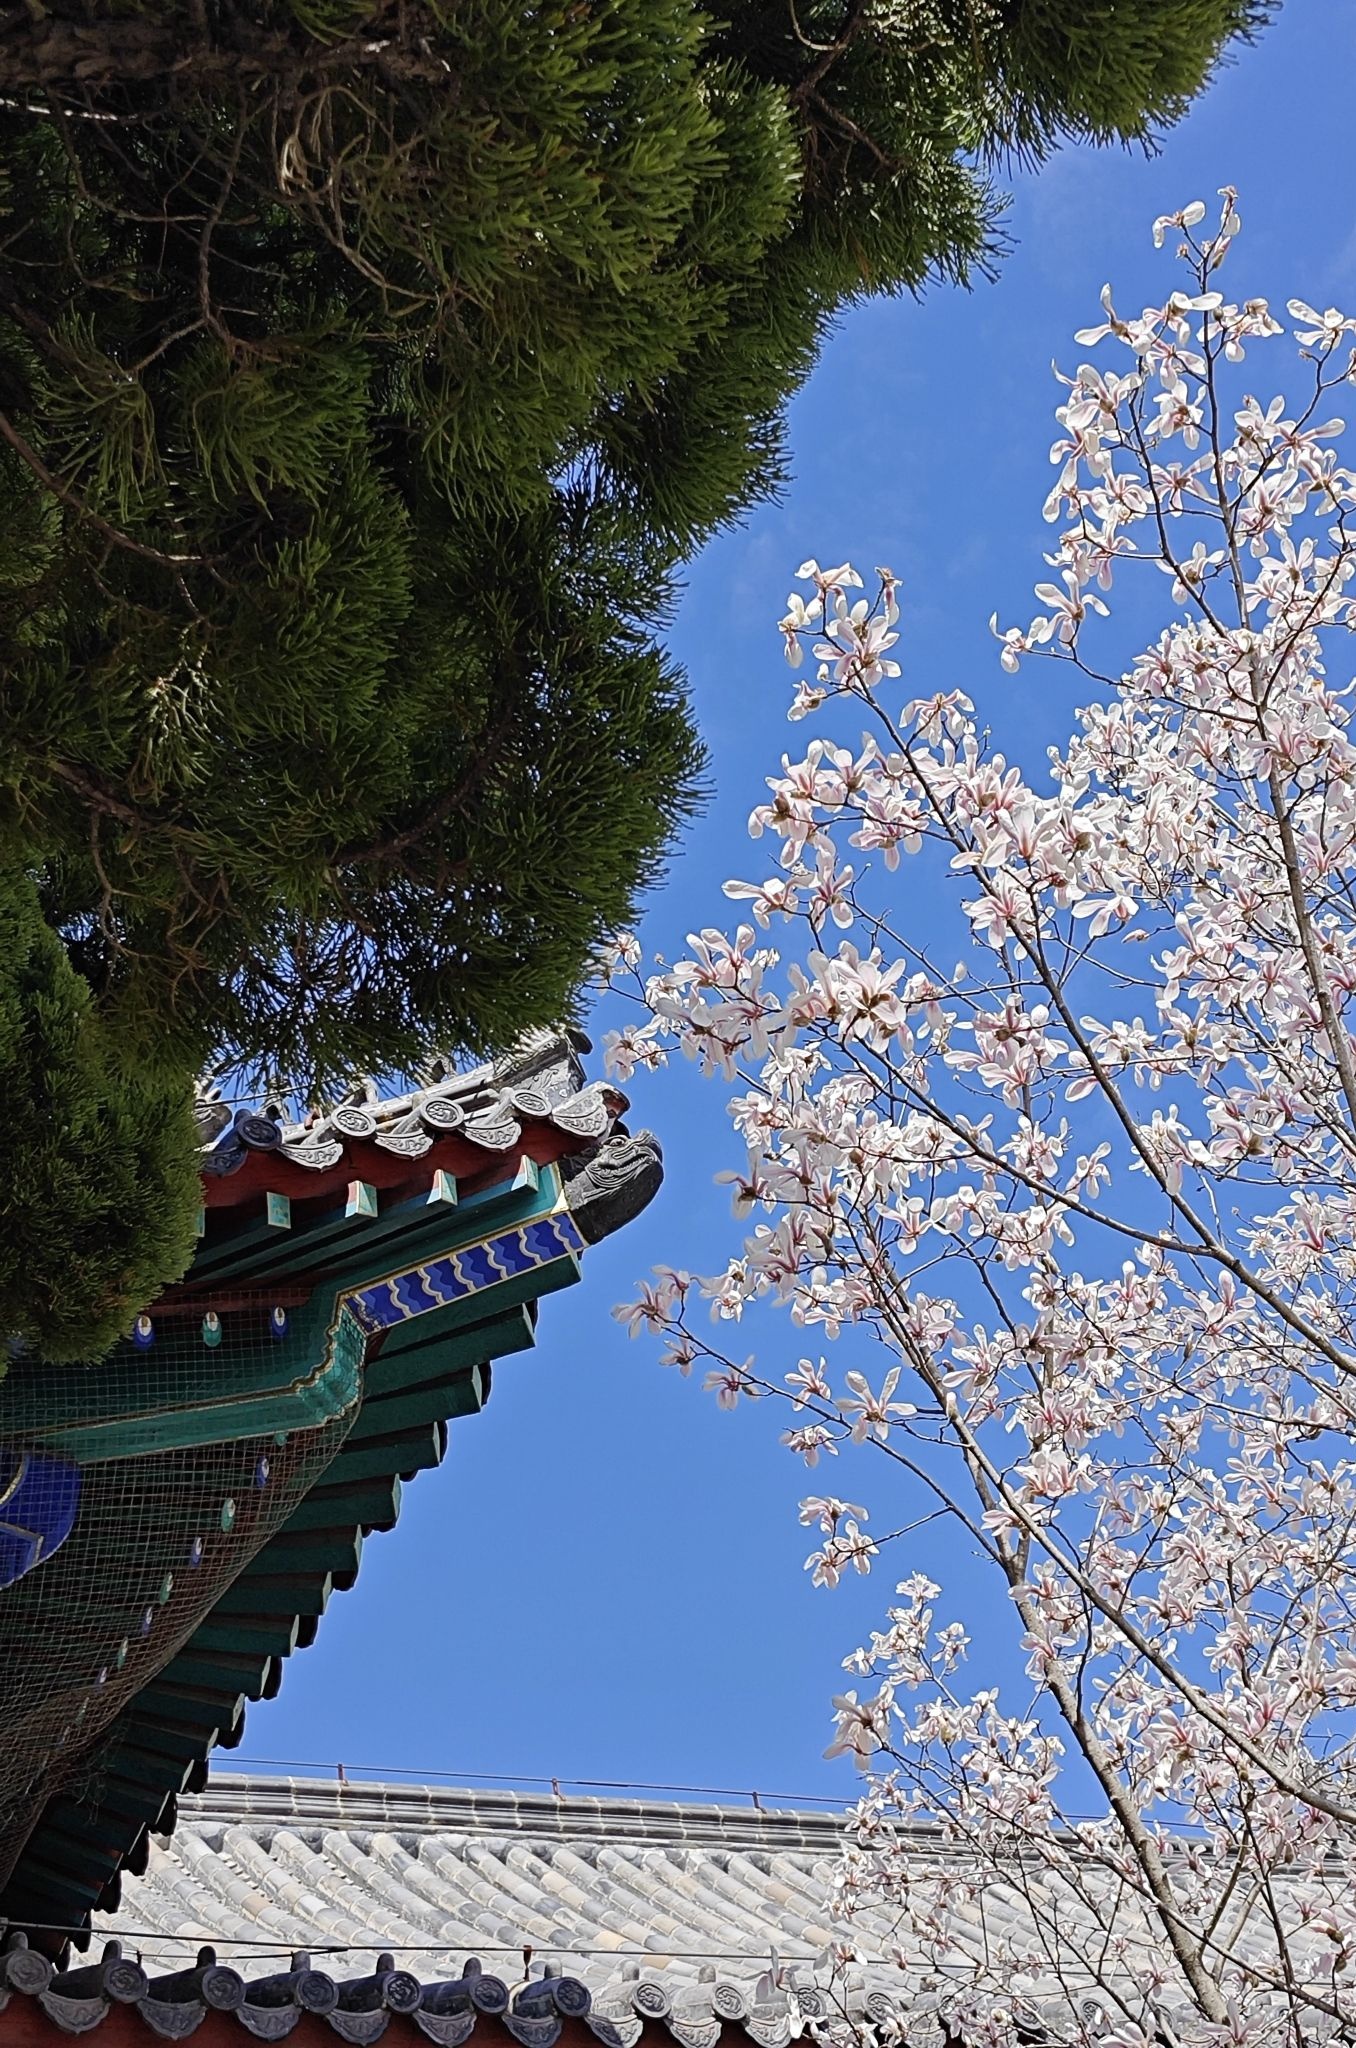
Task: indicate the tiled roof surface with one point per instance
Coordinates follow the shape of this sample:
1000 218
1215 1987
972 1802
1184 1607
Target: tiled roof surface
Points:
456 1908
686 1916
488 1107
437 1875
682 1916
531 1918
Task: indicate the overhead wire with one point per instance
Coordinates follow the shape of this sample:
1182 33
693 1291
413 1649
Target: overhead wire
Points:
340 1772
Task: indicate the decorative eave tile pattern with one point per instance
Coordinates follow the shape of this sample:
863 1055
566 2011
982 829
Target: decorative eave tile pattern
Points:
488 1108
361 2009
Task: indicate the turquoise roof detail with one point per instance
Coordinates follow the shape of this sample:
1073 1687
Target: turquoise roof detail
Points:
235 1454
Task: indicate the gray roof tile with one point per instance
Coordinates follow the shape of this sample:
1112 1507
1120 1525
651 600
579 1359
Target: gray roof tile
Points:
675 1918
665 1913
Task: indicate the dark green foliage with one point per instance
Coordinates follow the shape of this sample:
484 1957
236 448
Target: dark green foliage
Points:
97 1167
366 369
1106 68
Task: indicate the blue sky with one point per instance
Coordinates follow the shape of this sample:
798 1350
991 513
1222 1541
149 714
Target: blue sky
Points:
604 1579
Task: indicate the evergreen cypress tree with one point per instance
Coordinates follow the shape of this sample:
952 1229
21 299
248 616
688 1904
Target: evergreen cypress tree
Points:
97 1164
367 367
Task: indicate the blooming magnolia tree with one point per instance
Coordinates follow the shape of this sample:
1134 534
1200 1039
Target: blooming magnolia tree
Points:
1091 1193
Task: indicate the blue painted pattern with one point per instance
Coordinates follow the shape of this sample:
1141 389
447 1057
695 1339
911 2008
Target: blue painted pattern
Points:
39 1498
438 1283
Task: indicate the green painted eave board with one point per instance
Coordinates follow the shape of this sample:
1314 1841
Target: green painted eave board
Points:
409 1452
332 1550
144 1759
438 1401
453 1345
134 1406
141 1802
189 1393
271 1639
261 1597
201 1707
374 1504
434 1235
70 1888
334 1240
71 1823
222 1670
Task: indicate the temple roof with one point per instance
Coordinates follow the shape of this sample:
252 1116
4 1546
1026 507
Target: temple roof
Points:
332 1908
679 1919
489 1108
675 1919
352 1289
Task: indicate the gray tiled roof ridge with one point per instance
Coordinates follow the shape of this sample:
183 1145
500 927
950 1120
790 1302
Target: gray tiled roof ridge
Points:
247 1800
659 1915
